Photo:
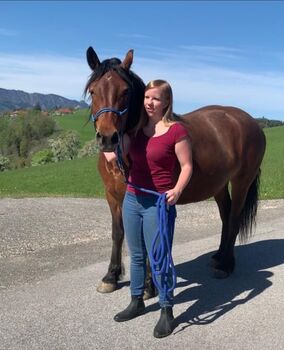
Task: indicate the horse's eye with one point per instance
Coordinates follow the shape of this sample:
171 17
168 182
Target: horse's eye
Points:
91 92
125 94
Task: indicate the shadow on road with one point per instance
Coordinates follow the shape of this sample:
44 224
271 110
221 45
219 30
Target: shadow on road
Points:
210 298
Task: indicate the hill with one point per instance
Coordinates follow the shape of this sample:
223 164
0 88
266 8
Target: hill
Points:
268 123
17 99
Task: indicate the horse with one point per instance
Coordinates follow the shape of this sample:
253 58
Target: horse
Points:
227 150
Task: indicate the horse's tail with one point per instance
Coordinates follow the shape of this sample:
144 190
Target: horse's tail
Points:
249 211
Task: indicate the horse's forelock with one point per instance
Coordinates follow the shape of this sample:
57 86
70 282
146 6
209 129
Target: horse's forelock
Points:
112 62
104 67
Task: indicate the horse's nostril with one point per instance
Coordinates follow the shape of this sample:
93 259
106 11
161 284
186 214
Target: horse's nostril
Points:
114 138
98 135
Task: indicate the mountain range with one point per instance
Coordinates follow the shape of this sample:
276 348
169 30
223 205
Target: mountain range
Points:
16 99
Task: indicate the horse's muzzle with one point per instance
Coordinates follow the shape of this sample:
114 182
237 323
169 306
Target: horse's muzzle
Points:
107 143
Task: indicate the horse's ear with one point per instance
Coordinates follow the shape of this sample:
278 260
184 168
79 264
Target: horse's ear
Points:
127 62
92 58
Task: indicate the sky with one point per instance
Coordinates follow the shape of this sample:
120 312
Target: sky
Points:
211 52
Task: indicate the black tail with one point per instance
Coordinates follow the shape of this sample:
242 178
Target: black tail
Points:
248 214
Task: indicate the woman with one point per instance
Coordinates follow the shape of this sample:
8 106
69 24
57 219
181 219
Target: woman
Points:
159 144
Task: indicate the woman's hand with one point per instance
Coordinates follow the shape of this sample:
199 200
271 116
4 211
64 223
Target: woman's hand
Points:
125 142
110 156
172 196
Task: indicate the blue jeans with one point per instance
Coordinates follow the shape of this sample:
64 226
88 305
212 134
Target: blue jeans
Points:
139 214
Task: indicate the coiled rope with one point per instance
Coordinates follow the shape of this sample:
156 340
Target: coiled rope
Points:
161 261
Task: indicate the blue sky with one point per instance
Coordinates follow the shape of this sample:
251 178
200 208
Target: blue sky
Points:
212 52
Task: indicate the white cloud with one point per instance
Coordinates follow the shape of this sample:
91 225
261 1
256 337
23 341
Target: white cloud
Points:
65 76
195 84
209 52
133 36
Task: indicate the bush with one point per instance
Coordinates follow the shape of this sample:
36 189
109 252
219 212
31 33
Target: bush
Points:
41 126
42 157
66 146
90 149
4 163
19 134
17 162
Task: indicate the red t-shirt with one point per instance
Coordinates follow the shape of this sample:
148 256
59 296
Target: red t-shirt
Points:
154 159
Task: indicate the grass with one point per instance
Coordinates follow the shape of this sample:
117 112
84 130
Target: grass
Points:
80 178
78 122
272 177
76 178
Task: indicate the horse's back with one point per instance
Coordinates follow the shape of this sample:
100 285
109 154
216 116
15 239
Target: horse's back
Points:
226 142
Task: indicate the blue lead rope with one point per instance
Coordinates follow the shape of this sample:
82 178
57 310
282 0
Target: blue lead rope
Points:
161 261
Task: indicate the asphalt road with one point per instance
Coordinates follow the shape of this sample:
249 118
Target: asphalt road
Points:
54 251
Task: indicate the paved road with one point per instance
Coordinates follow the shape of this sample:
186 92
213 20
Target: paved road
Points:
55 251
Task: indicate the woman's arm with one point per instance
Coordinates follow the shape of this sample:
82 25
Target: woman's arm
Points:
110 156
184 156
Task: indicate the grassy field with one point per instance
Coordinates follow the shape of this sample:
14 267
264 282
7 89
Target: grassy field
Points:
272 177
76 178
79 178
78 122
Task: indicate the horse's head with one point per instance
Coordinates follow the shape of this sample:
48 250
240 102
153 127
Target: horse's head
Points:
116 98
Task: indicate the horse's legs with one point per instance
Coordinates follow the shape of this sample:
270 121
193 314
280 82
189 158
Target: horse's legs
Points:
223 201
150 290
109 282
226 264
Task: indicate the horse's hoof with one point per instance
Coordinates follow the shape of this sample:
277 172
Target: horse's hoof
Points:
147 295
106 287
220 274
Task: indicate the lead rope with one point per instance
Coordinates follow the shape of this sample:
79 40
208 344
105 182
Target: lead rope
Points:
161 261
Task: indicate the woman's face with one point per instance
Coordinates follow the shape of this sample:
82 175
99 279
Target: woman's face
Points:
155 102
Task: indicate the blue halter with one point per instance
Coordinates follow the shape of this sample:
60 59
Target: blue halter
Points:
94 117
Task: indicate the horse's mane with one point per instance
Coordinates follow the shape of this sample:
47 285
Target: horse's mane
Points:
134 82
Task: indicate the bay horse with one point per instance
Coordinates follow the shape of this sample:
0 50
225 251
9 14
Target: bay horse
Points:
227 148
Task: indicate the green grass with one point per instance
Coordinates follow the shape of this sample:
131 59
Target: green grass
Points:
272 177
78 122
80 178
76 178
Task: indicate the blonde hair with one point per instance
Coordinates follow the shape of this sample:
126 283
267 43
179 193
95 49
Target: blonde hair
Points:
169 117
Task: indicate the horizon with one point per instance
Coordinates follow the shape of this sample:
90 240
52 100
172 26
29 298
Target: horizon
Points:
79 101
211 52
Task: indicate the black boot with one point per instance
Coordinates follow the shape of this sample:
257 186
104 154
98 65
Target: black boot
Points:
134 309
165 325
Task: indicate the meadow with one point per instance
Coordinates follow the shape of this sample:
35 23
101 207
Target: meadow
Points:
79 121
80 178
272 176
